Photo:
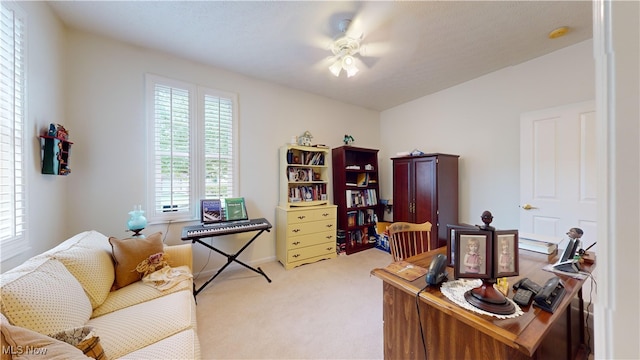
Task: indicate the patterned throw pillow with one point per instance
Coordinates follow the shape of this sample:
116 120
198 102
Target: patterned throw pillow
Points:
23 343
128 253
83 338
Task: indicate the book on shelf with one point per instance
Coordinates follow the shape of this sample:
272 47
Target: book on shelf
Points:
538 243
351 218
363 179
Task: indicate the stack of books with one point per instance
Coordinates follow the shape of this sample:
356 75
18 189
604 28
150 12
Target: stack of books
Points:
539 243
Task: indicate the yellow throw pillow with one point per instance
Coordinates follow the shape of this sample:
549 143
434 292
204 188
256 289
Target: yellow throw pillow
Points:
128 253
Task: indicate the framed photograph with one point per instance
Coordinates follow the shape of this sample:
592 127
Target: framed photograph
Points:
506 253
451 240
473 254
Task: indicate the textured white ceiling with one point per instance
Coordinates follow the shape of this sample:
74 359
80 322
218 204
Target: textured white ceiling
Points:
415 48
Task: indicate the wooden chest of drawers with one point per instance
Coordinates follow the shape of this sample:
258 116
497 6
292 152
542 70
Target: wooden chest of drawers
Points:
305 234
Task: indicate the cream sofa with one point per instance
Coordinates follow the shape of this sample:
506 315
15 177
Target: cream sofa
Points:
70 286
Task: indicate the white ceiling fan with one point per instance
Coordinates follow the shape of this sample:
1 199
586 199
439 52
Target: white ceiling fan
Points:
348 47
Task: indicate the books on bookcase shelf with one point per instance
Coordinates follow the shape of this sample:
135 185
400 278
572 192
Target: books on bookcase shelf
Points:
360 198
361 217
305 176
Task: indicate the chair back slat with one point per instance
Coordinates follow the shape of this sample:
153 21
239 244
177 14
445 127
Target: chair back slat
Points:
408 239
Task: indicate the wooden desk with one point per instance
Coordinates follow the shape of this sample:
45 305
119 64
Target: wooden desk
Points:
452 332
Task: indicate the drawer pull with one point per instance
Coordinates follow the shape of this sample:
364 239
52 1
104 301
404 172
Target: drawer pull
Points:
301 217
329 225
296 243
329 236
330 248
296 255
325 214
295 230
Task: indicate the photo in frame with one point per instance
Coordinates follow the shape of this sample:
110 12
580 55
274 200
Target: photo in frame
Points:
451 240
506 252
473 254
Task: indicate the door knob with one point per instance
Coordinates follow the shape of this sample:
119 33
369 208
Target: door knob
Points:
528 207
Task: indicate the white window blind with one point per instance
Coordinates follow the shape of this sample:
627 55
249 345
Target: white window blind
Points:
192 147
171 146
12 105
218 146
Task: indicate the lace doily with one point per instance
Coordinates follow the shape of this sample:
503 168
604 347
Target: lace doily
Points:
454 291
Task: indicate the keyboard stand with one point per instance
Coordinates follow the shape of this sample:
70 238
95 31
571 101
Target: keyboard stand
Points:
230 257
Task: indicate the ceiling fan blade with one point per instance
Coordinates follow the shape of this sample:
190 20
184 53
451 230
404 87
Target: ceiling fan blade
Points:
321 42
375 49
369 62
324 63
369 18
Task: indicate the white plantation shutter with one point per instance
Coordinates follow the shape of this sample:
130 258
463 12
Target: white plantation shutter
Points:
218 146
12 106
191 148
171 146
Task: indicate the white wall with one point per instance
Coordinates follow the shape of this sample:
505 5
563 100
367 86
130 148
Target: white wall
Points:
617 51
47 194
106 117
480 121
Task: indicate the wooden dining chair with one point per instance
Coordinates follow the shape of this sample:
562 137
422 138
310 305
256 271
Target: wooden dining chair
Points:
408 239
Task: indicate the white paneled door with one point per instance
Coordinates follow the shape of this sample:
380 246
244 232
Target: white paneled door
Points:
558 171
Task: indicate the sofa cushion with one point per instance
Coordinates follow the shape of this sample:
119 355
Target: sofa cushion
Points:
87 239
135 327
183 345
136 293
93 268
88 257
44 296
28 344
128 253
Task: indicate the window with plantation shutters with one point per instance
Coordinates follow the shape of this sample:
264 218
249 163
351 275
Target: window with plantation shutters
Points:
191 145
13 239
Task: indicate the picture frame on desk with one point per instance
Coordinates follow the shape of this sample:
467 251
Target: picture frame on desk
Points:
473 254
451 240
506 252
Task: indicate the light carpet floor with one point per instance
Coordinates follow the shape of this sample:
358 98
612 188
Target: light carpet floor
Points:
331 309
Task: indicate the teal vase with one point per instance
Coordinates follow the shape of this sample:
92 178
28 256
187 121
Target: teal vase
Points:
137 221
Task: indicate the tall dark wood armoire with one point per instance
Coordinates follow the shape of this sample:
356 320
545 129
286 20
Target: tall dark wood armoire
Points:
425 188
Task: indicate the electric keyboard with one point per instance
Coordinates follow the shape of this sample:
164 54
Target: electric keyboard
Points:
200 231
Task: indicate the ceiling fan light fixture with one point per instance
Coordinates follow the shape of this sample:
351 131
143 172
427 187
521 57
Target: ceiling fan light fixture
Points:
347 61
344 48
336 67
351 71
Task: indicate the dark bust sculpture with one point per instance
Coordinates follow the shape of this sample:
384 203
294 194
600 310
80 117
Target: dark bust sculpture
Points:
487 218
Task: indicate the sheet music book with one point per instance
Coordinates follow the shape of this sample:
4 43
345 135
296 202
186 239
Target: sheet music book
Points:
215 211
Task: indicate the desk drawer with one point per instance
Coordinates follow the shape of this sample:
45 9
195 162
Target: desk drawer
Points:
300 229
311 251
296 242
311 215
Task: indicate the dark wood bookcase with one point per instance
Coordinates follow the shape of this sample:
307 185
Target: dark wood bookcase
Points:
356 193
